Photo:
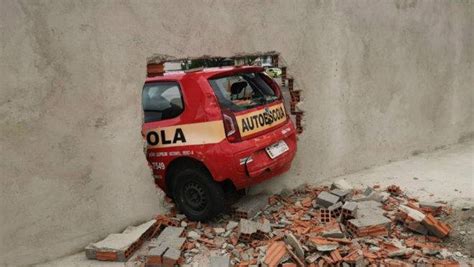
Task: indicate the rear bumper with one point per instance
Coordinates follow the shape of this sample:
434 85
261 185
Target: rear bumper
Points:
266 170
260 166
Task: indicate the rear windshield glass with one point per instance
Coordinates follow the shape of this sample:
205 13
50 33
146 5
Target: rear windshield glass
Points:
161 101
242 91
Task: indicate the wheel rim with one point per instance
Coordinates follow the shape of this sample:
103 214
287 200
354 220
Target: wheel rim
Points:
194 196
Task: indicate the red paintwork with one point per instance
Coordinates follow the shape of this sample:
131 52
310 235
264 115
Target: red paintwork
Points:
222 159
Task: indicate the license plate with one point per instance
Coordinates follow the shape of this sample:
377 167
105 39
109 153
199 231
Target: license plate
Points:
277 149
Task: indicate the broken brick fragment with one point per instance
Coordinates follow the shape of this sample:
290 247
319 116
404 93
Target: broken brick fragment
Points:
295 95
416 227
328 260
369 226
155 255
445 263
291 240
275 252
352 257
250 206
326 199
332 229
306 202
324 215
335 210
167 221
348 211
412 213
293 107
396 263
336 256
109 249
106 256
171 257
295 258
154 69
206 241
322 244
340 240
369 255
436 227
431 207
342 194
394 190
283 75
290 84
248 230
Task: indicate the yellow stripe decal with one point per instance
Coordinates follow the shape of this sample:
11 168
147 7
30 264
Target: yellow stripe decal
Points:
260 120
186 134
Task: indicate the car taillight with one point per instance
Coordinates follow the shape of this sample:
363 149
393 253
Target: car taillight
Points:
230 126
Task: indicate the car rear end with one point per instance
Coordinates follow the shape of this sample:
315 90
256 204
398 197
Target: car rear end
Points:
260 136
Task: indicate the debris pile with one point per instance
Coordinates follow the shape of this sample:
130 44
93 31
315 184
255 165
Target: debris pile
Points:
120 247
310 226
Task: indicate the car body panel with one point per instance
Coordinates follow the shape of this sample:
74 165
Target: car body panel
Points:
198 133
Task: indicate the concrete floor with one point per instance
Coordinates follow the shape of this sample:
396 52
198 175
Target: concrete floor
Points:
446 175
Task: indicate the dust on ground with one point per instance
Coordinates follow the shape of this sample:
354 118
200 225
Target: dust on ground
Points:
461 238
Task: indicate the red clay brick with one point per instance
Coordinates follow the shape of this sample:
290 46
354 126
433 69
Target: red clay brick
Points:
275 252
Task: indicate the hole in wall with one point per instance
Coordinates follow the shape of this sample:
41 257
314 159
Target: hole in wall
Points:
273 63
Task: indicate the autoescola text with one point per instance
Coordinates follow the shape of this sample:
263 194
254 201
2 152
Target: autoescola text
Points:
153 138
260 120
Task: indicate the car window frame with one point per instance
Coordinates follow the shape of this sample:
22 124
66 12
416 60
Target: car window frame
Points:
183 102
218 94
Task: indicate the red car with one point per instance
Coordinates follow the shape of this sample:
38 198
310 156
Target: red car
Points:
212 130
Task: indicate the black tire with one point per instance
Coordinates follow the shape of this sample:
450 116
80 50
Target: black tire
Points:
197 195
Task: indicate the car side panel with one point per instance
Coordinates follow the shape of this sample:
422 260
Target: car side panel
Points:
195 133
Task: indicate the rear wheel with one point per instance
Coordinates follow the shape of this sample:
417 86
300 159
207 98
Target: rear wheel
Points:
197 195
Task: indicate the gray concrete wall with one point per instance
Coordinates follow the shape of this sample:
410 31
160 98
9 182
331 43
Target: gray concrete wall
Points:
381 79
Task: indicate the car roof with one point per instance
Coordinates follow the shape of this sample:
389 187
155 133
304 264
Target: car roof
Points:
203 72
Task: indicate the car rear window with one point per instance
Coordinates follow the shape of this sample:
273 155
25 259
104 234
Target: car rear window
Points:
161 101
242 91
